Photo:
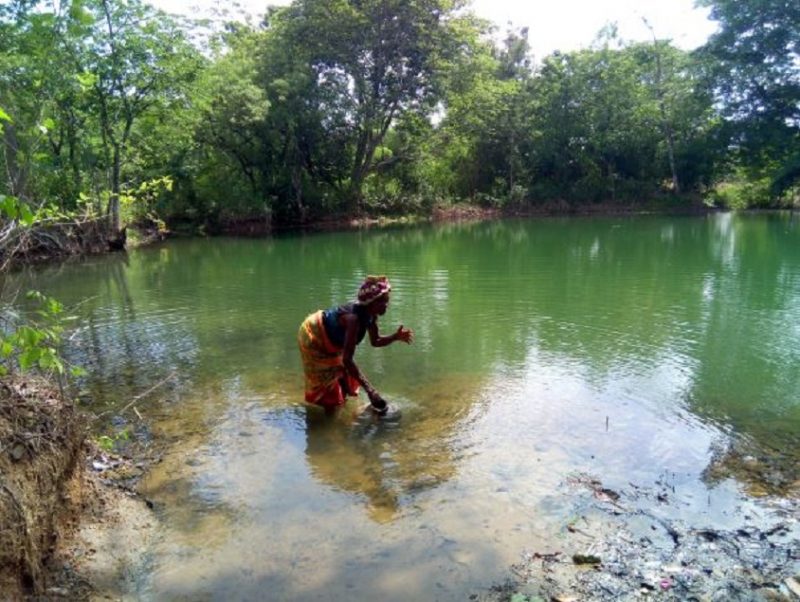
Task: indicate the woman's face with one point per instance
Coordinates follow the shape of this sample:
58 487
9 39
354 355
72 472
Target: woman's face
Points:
378 307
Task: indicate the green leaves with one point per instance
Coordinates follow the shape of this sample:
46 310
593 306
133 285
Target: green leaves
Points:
753 61
34 342
109 442
14 209
337 101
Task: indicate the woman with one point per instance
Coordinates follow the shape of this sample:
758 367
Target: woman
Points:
328 340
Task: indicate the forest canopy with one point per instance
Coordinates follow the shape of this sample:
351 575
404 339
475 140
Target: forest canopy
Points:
113 109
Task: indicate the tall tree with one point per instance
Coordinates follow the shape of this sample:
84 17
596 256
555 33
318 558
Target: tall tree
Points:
138 58
661 95
28 47
379 60
755 62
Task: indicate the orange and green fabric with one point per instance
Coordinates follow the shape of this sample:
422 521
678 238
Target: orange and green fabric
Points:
323 365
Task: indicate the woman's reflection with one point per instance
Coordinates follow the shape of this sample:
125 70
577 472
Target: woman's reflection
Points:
390 461
350 452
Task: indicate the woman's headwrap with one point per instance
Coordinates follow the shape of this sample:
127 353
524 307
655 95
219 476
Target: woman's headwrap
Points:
372 288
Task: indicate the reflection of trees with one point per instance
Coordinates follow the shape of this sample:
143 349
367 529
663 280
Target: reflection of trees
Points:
714 299
610 295
750 349
119 337
123 343
594 289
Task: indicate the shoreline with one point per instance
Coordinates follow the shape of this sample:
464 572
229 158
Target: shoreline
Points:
458 212
144 235
619 545
628 545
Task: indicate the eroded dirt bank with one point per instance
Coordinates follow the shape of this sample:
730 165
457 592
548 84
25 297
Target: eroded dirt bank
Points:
66 532
40 437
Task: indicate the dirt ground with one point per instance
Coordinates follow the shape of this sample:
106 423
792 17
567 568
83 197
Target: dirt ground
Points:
628 545
62 501
99 558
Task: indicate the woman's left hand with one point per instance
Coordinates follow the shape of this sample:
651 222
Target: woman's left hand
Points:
404 334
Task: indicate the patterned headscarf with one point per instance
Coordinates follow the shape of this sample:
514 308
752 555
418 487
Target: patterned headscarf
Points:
372 288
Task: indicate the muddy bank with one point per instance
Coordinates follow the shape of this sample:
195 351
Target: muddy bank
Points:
73 240
263 225
101 557
633 545
40 440
48 241
70 527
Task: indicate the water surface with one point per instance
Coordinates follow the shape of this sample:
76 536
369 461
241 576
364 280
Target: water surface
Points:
631 349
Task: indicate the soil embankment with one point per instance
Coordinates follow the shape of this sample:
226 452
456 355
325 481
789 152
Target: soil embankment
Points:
65 533
40 439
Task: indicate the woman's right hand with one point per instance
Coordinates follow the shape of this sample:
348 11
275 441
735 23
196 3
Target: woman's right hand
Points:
377 402
404 334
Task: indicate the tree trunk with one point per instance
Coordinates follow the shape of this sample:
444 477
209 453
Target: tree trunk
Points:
117 235
297 186
72 140
16 175
113 201
665 125
370 138
357 173
676 187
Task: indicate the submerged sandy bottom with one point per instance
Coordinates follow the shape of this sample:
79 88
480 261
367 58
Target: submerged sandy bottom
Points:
256 495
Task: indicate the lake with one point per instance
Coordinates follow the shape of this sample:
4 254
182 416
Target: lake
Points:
628 349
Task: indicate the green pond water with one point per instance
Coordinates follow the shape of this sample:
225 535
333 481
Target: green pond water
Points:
633 350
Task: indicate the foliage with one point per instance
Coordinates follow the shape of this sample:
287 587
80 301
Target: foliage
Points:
139 205
79 78
11 208
742 192
611 123
754 63
35 341
341 107
110 442
484 130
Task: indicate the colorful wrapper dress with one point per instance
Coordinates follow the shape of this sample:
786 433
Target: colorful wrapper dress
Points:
323 365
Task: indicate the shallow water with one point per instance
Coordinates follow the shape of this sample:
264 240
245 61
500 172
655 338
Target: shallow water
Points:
630 349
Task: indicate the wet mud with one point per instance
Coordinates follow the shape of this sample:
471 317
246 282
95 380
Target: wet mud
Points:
632 545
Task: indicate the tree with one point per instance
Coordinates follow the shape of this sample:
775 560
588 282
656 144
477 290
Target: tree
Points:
661 96
478 148
30 82
754 60
138 58
377 61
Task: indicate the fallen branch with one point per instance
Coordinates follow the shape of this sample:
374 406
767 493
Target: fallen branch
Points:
138 397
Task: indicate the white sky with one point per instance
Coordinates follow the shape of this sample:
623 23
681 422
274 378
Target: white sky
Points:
572 24
553 24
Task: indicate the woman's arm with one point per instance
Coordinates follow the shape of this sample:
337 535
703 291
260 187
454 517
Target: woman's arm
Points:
350 342
402 334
